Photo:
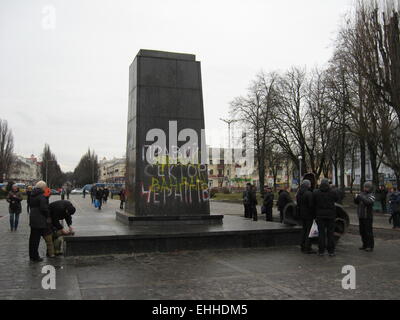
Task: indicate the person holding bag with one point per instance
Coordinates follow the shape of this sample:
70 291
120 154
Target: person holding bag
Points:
324 200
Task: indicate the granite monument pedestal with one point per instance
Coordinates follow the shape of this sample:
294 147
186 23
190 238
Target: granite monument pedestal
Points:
167 174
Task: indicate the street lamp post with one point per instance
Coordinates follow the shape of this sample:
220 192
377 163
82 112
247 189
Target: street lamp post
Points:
300 159
229 122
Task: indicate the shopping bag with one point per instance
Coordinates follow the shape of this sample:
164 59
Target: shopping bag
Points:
96 203
314 233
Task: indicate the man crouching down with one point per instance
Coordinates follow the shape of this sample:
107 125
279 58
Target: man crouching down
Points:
59 211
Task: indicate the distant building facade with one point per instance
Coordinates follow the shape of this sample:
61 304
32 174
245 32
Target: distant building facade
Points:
25 170
112 171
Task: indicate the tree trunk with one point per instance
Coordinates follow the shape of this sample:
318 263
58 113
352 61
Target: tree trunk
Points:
374 165
363 162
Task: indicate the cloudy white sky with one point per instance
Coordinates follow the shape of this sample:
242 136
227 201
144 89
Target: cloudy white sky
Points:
68 85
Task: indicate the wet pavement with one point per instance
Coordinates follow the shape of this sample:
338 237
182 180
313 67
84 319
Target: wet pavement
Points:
266 273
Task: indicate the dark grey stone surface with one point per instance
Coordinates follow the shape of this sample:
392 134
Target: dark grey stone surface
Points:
100 233
163 87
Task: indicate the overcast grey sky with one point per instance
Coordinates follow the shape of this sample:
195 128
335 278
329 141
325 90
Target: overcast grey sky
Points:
68 85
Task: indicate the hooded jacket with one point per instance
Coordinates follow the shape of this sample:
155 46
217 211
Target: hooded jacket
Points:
305 203
39 210
324 200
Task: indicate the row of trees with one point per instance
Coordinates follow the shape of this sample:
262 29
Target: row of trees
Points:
337 114
6 149
85 173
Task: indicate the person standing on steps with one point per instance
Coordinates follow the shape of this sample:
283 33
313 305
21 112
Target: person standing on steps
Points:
284 199
268 203
247 201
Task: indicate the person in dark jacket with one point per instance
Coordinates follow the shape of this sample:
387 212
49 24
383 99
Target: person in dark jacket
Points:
268 203
28 198
39 219
106 193
382 196
14 199
305 206
61 210
365 201
93 190
122 198
99 196
254 203
247 196
284 199
394 208
324 200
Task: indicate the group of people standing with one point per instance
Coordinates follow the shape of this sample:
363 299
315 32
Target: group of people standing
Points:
44 218
99 195
319 206
250 202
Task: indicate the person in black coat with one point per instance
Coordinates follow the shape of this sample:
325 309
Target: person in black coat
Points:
93 190
382 195
268 203
247 198
254 203
99 195
14 199
284 199
305 206
39 219
28 198
122 198
61 210
365 201
106 193
324 200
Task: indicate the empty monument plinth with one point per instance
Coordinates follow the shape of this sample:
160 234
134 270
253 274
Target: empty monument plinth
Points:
165 96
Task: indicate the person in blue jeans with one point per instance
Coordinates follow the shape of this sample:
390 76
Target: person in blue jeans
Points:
14 199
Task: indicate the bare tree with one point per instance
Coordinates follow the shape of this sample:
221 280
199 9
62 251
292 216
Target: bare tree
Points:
6 149
256 112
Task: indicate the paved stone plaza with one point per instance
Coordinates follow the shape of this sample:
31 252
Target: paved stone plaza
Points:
273 273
